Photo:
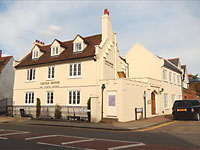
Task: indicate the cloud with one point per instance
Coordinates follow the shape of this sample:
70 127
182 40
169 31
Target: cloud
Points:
51 31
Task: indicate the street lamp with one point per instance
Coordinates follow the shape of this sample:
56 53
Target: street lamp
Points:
103 86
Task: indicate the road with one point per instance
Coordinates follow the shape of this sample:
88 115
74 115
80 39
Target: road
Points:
174 135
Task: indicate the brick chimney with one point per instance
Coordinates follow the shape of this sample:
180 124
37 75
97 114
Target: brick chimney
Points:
38 43
107 31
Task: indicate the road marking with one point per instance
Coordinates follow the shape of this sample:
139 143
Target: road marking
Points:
126 146
155 127
79 141
39 137
2 138
13 133
64 146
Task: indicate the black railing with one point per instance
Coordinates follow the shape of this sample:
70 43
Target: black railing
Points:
67 112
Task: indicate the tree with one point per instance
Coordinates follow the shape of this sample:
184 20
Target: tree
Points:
195 76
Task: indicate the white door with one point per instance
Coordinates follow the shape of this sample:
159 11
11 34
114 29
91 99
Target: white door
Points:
112 106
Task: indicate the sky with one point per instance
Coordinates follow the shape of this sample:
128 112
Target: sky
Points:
169 28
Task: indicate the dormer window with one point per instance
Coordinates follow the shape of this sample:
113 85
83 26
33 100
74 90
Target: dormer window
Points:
54 51
35 54
78 47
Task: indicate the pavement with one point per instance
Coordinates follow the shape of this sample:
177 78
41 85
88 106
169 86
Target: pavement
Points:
117 126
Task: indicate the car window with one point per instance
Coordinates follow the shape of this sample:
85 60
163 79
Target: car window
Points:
195 103
182 104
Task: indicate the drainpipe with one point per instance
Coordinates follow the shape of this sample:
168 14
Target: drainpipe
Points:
102 88
145 114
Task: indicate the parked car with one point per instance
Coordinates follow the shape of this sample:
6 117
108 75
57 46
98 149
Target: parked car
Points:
186 109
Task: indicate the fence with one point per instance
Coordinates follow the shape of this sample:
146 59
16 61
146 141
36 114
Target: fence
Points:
49 111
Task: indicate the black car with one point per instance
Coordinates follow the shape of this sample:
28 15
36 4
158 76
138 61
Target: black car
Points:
186 109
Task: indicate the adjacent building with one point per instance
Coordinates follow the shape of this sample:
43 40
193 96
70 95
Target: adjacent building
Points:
71 73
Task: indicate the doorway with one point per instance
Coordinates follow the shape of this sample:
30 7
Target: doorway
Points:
153 103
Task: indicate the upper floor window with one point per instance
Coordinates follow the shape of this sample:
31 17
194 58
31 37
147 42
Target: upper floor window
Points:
165 75
29 98
74 97
75 70
77 47
54 51
50 97
170 77
35 54
174 78
178 80
30 75
51 72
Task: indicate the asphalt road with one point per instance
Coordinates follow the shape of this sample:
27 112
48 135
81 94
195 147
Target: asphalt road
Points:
176 135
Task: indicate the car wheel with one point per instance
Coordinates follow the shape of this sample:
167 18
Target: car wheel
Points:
197 117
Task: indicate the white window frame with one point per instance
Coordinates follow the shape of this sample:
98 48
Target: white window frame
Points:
51 73
173 98
55 51
164 74
49 99
78 46
74 97
35 54
29 98
166 102
174 78
178 80
75 70
30 74
170 77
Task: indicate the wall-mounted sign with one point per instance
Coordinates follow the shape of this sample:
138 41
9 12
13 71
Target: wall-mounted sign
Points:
49 84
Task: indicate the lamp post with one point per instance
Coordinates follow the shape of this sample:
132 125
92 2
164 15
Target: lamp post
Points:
102 88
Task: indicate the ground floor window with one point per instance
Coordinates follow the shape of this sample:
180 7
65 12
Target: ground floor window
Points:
29 98
50 97
166 104
74 97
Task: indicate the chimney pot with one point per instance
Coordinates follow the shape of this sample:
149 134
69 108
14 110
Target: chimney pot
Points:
106 12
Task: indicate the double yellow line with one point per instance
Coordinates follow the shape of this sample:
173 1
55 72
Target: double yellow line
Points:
155 127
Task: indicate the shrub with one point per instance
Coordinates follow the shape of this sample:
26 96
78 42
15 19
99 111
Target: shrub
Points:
38 108
58 113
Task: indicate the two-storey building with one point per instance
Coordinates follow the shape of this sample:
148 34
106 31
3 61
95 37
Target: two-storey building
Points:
90 68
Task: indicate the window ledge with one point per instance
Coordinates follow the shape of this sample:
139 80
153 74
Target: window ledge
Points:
29 81
74 77
50 79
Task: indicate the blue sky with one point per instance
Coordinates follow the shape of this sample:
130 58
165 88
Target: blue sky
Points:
167 28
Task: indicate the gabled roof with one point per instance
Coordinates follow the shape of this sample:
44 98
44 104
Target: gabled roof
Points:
183 67
175 61
4 61
67 54
170 66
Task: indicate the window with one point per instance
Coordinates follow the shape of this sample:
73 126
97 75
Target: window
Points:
165 75
35 54
74 97
49 97
30 75
173 98
77 47
166 105
51 72
174 79
170 77
29 98
54 51
75 70
178 80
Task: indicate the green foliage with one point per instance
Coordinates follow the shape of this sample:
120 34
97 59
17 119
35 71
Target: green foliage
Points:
89 103
38 108
58 113
195 76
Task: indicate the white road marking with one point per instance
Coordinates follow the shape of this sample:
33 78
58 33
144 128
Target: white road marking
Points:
126 146
64 146
40 137
2 138
13 133
79 141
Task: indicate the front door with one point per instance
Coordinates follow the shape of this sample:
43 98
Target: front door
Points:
111 108
153 104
